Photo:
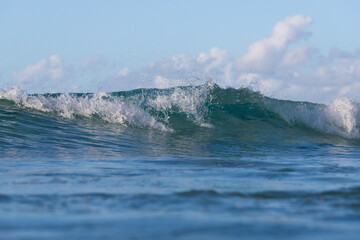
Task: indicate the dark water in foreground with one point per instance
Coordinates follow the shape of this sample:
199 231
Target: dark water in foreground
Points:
183 163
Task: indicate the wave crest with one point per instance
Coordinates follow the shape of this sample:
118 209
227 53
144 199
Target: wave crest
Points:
340 117
100 104
205 106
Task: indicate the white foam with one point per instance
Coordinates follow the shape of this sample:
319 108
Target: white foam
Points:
340 117
110 109
190 101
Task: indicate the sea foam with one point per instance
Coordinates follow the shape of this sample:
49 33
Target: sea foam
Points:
134 110
340 117
109 108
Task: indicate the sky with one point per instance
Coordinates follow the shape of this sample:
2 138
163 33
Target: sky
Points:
299 50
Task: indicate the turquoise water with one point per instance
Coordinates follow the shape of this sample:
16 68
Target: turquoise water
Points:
198 162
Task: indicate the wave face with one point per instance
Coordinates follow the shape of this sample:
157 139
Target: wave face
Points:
184 162
183 108
201 120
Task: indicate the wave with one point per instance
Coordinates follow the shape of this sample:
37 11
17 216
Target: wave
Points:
182 108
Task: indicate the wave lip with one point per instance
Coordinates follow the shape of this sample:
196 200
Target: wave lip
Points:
341 117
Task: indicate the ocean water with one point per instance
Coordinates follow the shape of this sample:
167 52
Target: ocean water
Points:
193 162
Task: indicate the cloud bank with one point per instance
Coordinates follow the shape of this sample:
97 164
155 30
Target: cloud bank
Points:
281 65
43 72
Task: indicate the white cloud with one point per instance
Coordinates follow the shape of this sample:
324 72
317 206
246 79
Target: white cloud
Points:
248 79
123 72
214 58
48 75
180 61
295 57
45 70
269 86
276 66
264 55
280 66
338 73
162 82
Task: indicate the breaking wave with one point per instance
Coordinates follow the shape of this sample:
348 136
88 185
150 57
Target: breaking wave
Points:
204 106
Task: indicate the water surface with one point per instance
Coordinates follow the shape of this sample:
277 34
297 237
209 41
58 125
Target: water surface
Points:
182 163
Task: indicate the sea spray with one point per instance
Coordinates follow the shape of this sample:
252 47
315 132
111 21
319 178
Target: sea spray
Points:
340 117
100 104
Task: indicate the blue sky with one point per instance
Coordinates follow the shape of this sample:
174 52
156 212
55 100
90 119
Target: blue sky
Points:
133 34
